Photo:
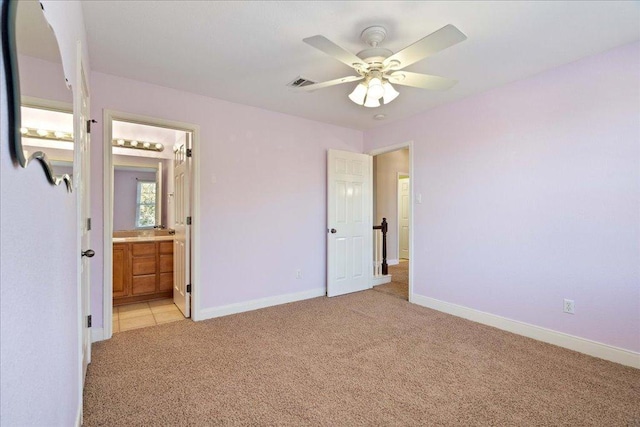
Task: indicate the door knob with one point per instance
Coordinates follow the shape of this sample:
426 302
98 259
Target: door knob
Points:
89 253
334 231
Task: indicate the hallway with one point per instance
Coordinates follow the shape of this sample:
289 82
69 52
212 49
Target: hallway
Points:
399 285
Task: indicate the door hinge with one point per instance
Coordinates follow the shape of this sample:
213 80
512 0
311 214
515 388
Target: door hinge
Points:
189 288
189 152
88 321
89 125
88 224
188 220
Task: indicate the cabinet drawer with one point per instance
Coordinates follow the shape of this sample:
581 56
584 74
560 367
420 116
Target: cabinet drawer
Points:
166 247
144 265
143 284
142 249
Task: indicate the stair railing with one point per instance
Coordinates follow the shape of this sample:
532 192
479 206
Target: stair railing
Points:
380 266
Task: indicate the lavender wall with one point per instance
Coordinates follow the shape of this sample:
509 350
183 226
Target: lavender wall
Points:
39 348
531 194
125 190
263 190
386 168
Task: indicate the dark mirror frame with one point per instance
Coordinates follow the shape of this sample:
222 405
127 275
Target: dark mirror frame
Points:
12 82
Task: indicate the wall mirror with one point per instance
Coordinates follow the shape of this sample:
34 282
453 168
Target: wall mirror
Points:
142 159
40 101
138 195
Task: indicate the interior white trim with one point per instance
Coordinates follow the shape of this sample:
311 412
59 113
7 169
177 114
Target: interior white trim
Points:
97 334
571 342
108 117
78 422
393 262
388 149
256 304
46 104
381 280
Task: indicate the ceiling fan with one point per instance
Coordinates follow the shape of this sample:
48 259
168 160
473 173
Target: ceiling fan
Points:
379 67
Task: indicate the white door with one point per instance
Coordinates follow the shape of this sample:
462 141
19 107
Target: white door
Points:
181 243
349 222
159 200
403 217
81 176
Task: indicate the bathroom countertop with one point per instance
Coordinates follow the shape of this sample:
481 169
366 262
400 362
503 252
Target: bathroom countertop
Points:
141 239
123 236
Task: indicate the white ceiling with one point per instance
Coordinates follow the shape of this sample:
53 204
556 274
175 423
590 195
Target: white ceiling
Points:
246 52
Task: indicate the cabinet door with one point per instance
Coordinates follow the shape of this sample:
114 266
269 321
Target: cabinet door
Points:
120 271
166 266
141 285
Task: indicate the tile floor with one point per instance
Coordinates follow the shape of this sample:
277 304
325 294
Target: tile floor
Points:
143 314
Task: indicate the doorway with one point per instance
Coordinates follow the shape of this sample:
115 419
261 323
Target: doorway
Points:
392 168
149 208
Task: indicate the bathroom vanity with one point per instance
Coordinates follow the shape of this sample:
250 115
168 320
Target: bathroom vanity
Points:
142 267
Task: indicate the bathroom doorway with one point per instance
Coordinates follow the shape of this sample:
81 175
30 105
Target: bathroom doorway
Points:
148 250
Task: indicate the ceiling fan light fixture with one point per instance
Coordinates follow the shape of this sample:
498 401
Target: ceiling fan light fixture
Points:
375 89
389 93
359 93
371 102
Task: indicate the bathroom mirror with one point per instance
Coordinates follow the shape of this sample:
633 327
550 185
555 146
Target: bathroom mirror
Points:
35 81
137 196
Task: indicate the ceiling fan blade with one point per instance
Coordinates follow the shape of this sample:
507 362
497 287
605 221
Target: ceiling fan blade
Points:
423 81
441 39
312 87
330 48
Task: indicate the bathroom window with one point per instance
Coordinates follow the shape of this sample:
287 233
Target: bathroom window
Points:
146 204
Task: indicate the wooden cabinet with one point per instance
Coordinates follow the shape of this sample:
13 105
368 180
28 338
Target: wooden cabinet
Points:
142 271
121 276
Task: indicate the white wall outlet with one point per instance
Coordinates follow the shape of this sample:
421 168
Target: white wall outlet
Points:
569 306
298 274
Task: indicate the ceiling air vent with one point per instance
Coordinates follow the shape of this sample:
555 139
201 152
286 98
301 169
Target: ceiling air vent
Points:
299 82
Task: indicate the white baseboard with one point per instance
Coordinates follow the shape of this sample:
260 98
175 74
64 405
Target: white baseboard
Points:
581 345
97 334
241 307
393 262
380 280
79 417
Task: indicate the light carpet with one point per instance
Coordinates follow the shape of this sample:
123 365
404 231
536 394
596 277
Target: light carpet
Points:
360 359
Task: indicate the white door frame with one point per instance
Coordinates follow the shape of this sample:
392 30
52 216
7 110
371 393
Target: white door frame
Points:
398 208
414 257
108 117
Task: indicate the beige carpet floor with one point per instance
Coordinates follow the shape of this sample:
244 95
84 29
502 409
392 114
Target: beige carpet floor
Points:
399 285
361 359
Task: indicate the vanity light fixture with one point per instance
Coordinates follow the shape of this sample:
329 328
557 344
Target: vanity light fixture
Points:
138 145
52 135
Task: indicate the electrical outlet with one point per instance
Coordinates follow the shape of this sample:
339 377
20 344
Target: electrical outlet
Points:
569 306
298 274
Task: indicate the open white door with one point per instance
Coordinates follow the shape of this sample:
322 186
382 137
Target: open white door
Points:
403 218
81 174
159 200
182 226
349 221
